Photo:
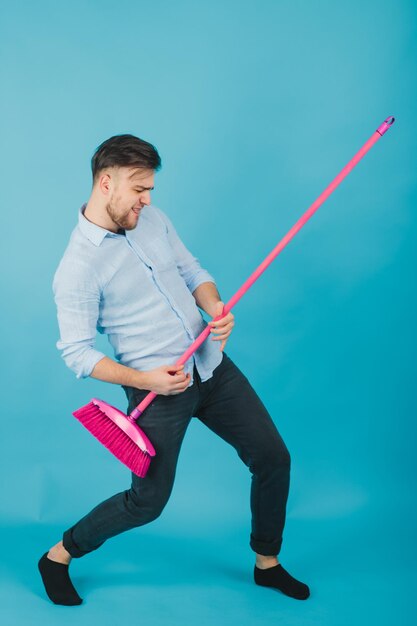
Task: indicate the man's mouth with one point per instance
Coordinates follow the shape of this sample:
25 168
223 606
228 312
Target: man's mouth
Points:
136 211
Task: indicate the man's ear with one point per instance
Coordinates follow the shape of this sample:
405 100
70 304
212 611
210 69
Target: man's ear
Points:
105 183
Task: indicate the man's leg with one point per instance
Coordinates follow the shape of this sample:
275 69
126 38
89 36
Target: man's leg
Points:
230 407
165 422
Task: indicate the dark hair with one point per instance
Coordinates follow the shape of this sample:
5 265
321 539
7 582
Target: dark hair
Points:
124 151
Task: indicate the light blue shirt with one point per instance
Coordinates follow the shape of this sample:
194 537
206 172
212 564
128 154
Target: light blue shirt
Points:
137 289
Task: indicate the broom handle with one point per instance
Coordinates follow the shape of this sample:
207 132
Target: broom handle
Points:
278 248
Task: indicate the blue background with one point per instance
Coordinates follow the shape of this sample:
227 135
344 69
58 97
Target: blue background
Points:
254 108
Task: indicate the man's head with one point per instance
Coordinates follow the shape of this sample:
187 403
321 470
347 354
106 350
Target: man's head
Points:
123 170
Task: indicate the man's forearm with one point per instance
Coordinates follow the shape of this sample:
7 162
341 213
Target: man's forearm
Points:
110 371
206 296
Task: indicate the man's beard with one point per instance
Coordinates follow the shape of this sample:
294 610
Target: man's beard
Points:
122 219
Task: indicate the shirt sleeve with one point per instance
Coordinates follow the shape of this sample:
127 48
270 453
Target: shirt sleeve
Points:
188 265
77 297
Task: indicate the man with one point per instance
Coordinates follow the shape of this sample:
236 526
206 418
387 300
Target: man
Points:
126 273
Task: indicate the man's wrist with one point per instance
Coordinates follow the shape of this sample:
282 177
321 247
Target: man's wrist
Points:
211 309
141 380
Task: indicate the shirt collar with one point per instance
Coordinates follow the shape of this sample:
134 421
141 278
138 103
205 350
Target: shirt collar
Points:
92 231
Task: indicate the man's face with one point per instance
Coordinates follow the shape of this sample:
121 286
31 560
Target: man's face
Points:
129 189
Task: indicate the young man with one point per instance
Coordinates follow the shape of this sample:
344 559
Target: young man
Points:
126 273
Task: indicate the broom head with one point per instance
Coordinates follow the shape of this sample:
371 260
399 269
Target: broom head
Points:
119 434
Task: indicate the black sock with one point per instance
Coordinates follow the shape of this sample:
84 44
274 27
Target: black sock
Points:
57 582
279 578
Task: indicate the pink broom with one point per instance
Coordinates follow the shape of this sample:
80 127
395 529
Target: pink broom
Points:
118 432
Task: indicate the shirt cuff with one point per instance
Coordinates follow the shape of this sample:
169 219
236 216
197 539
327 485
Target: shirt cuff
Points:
201 277
87 363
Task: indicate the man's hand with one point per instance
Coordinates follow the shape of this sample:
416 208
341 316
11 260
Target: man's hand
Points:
222 327
166 380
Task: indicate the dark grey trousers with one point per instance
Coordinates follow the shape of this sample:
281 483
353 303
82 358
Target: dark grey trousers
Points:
229 406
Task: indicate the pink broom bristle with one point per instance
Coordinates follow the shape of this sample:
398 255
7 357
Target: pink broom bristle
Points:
113 438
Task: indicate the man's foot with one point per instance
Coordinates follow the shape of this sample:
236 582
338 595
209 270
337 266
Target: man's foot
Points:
57 582
278 578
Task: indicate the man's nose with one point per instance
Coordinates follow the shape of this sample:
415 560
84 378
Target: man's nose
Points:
146 198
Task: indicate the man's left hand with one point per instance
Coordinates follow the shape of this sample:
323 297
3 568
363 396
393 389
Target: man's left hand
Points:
223 327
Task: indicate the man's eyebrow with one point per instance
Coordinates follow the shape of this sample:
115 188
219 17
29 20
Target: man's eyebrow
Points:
142 187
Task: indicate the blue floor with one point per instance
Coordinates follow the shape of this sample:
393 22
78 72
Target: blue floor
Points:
198 576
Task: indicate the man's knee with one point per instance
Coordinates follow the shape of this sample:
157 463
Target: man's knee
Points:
278 457
274 456
145 510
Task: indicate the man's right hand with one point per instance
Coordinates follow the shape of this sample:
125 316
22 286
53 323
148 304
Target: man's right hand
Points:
167 380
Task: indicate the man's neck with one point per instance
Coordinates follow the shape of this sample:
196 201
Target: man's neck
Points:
95 214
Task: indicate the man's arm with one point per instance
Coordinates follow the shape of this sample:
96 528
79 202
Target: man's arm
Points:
207 298
77 296
165 380
200 283
188 265
110 371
